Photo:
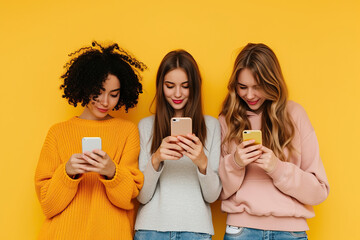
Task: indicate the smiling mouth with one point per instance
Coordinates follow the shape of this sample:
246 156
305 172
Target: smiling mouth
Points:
253 102
177 101
102 110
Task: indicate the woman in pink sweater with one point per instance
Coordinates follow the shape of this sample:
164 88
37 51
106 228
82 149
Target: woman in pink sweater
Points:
268 189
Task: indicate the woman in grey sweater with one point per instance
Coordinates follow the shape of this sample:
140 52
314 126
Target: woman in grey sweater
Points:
181 172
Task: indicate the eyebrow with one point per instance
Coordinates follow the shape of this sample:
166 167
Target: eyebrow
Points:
118 89
174 83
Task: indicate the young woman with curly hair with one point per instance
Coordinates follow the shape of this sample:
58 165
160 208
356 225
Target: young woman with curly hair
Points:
268 189
90 195
180 172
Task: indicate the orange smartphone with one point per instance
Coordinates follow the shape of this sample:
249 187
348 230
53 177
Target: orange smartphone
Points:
180 126
252 135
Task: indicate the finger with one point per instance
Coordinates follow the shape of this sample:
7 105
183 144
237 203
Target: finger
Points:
253 154
77 155
92 162
186 147
99 152
168 152
96 157
186 141
170 139
188 154
246 143
173 147
194 138
252 148
265 149
91 168
252 159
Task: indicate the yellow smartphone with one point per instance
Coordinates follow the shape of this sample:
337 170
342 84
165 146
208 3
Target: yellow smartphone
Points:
252 135
181 126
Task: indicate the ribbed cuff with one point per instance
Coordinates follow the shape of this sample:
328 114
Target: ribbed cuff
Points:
69 182
121 173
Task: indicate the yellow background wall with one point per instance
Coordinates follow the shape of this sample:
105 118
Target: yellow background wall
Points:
317 43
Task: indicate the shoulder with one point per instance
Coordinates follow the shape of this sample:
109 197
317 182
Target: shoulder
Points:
299 116
210 121
146 122
296 111
60 126
125 125
212 126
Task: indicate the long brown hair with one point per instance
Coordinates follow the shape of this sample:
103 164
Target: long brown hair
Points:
277 126
193 109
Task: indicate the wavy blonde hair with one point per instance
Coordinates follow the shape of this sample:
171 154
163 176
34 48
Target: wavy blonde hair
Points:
277 127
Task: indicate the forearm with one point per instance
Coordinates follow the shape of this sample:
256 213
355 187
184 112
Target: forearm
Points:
124 186
231 175
151 177
55 192
307 187
210 184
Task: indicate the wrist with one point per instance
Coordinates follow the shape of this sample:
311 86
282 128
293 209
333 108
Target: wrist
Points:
155 162
203 165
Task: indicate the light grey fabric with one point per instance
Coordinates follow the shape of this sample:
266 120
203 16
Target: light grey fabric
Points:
177 197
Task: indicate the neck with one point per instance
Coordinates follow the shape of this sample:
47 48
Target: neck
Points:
178 113
86 114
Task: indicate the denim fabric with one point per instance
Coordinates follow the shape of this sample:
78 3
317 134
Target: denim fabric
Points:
155 235
256 234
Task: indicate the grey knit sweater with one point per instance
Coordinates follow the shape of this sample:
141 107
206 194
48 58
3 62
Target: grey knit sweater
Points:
177 197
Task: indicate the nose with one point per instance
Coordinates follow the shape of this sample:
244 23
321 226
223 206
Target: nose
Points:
178 92
103 99
250 94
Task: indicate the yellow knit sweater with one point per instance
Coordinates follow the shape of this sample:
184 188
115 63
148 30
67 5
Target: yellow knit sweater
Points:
89 207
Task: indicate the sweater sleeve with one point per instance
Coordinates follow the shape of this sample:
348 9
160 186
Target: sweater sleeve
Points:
210 182
231 174
151 176
54 188
306 182
128 179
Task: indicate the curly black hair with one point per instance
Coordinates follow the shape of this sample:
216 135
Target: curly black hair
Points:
89 68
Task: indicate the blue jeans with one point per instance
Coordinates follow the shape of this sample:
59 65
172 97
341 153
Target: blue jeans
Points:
155 235
257 234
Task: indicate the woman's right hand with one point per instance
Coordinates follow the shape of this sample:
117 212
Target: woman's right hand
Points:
168 150
246 153
75 165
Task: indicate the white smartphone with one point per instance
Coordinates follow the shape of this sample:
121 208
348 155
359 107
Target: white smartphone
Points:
181 126
91 143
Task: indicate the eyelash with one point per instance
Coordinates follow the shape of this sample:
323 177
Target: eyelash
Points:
114 96
170 87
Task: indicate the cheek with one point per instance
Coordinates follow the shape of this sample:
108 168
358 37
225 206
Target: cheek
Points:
186 92
167 92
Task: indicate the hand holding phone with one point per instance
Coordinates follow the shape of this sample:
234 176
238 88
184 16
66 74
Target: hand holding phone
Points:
248 152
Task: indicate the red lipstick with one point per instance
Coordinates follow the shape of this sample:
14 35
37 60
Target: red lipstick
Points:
103 110
252 102
177 101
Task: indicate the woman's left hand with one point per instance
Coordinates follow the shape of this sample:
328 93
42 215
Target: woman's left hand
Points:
100 163
193 149
267 160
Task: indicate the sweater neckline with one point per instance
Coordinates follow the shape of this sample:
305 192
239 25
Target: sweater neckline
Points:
88 122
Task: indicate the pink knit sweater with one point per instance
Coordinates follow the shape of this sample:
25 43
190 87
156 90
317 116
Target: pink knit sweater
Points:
280 200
